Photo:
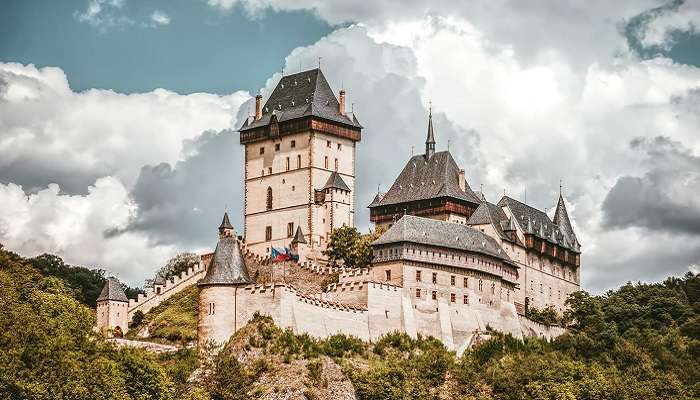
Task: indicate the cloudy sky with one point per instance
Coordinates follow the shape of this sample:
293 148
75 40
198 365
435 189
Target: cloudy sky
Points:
118 118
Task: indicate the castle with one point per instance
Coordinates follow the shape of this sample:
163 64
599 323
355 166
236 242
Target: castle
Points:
450 264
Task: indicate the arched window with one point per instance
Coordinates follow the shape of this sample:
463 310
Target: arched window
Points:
269 198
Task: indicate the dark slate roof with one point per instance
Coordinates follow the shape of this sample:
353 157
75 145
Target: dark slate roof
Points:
529 217
377 199
335 181
225 223
561 219
301 95
299 236
227 266
423 179
112 291
443 234
489 213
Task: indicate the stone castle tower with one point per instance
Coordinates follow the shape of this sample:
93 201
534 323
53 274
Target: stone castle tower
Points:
299 166
112 308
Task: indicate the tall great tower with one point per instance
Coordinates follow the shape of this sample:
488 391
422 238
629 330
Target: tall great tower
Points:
299 166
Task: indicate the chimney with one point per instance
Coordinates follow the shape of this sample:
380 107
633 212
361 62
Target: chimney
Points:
462 181
258 107
342 102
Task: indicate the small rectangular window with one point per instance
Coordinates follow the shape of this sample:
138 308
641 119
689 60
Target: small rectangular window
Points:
268 233
262 150
336 164
466 299
452 280
290 229
434 295
388 274
418 276
434 277
453 298
418 293
277 147
299 161
325 162
328 144
340 146
287 164
466 282
293 144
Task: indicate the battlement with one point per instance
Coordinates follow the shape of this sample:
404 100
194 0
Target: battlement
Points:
161 292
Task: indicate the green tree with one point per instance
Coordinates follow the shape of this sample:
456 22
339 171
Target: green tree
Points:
353 249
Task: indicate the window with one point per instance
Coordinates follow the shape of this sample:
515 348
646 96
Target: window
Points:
418 276
465 300
287 164
336 164
325 162
466 282
328 144
480 285
453 298
541 288
290 229
293 144
493 288
434 277
299 161
262 150
269 198
268 233
277 147
418 293
269 170
340 146
211 309
387 272
452 280
434 295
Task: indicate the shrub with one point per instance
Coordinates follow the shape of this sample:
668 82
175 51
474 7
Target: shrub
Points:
315 371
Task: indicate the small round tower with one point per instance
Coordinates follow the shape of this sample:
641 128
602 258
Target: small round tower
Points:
219 289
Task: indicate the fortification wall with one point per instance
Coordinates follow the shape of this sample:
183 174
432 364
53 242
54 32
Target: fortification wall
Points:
159 293
531 328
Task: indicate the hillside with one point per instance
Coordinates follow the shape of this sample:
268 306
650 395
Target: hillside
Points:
174 320
641 341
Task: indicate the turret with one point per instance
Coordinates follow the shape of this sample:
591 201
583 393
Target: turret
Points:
226 229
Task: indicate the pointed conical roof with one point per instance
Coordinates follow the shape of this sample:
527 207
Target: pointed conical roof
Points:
227 266
299 237
225 223
561 219
431 136
335 181
112 291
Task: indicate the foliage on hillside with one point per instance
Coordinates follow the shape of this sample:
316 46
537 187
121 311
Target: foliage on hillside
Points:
175 266
84 284
49 351
175 319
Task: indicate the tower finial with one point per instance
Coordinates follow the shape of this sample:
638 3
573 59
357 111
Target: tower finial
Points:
430 141
560 185
319 62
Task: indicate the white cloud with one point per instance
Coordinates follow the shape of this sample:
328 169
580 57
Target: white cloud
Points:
103 14
160 18
53 134
75 228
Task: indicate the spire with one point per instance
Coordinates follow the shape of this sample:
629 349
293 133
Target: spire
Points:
561 220
225 229
430 141
299 236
